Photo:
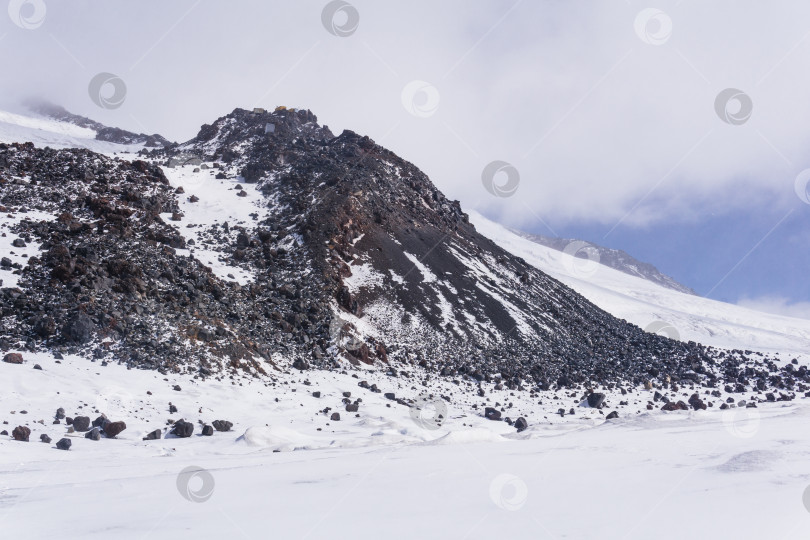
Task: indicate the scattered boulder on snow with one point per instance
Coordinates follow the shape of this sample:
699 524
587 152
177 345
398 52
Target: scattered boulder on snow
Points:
612 415
492 414
44 438
81 423
521 424
21 433
316 394
673 406
94 434
335 417
153 435
172 408
352 407
596 400
63 444
207 430
222 425
101 421
390 395
112 429
13 358
183 429
60 413
696 402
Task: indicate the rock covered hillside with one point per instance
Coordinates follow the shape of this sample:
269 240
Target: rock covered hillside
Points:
352 257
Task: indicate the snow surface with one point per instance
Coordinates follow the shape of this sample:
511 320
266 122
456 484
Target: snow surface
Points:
8 220
55 134
218 203
287 471
643 302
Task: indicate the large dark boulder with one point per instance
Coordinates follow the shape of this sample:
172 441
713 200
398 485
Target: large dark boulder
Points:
81 423
183 429
63 444
492 414
112 429
13 358
596 400
21 433
222 425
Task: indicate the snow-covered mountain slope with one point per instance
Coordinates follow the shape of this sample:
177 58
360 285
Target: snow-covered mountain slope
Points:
43 131
612 258
643 303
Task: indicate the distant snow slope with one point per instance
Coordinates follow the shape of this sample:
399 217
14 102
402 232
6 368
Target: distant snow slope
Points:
642 302
46 132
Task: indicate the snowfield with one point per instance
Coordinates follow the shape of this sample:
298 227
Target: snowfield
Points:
286 470
642 302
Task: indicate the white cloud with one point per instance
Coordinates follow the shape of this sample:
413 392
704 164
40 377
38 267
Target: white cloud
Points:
777 305
602 126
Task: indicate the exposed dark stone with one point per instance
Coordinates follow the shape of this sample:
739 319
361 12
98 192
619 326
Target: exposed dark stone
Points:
112 429
612 415
596 400
521 424
335 417
94 434
63 444
21 433
492 414
183 429
44 438
207 430
153 435
222 425
13 358
81 423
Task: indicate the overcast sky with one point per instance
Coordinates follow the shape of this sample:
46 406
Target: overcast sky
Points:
608 111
